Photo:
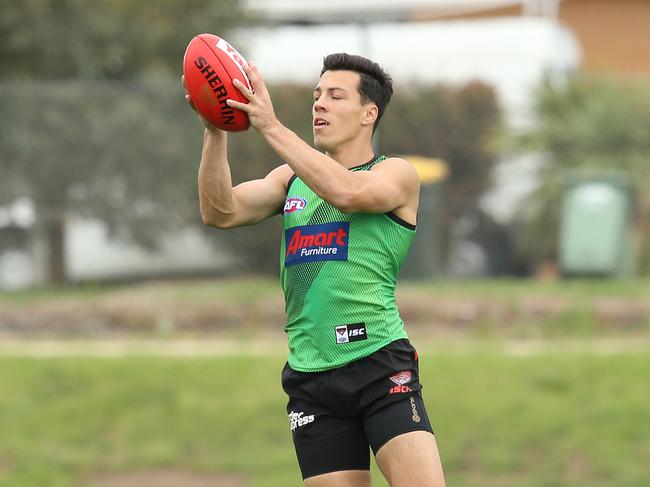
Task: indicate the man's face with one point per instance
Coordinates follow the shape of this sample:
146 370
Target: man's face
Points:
337 113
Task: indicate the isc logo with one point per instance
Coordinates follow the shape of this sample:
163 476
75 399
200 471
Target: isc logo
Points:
351 333
294 204
399 390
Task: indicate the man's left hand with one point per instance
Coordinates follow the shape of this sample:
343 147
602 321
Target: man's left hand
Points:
259 107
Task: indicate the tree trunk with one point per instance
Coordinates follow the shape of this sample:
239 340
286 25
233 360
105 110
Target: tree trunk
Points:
643 246
55 237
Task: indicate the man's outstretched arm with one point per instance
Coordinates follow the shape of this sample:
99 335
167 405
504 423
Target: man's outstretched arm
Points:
391 184
223 206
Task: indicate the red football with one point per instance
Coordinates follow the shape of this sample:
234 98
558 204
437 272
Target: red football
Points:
210 65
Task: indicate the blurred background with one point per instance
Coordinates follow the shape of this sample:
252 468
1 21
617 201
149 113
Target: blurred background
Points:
530 116
526 286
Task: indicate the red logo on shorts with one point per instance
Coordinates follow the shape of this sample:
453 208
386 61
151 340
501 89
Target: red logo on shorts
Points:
399 390
403 377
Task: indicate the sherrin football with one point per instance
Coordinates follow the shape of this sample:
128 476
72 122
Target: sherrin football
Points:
210 65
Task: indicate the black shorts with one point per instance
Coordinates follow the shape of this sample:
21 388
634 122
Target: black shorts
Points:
335 416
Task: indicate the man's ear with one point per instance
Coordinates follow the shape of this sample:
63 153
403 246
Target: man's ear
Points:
370 114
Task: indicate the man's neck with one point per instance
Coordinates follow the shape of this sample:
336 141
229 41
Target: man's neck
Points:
352 156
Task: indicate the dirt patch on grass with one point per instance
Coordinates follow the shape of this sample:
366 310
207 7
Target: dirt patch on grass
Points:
5 466
167 477
150 311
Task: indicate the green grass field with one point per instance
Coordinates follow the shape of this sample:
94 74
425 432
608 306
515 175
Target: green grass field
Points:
242 290
545 420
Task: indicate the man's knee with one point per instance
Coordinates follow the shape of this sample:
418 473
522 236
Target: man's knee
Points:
411 460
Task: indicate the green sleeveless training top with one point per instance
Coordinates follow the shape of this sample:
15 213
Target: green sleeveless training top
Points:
338 272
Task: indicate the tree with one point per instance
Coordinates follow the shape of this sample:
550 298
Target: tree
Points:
111 39
118 152
125 150
588 124
74 142
458 124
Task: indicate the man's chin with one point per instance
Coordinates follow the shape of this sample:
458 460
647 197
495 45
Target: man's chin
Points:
320 144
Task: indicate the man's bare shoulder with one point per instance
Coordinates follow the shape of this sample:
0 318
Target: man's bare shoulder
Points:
398 167
282 174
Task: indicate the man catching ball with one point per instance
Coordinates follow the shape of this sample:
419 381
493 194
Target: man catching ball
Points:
349 217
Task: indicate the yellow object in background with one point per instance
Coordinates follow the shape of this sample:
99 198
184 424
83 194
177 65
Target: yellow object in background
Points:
429 169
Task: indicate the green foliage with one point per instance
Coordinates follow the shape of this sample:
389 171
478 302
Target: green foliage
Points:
588 125
77 147
121 152
118 39
118 151
126 153
576 419
455 123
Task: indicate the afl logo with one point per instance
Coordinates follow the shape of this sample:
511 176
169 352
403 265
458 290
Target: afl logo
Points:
294 204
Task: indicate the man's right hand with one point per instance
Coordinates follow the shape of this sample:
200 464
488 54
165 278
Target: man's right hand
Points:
223 206
208 125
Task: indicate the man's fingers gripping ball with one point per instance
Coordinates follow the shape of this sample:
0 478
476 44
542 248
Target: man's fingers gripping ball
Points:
210 67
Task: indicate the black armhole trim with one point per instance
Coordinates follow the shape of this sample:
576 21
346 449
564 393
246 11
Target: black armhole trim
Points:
291 180
289 183
399 221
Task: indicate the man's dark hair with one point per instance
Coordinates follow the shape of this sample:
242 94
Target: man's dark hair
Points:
376 85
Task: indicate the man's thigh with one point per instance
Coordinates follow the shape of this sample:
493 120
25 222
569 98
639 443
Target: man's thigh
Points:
411 460
401 436
347 478
329 444
396 419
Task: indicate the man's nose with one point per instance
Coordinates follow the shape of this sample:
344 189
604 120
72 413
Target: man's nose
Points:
319 105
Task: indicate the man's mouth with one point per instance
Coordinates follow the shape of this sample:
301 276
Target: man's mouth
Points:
320 122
